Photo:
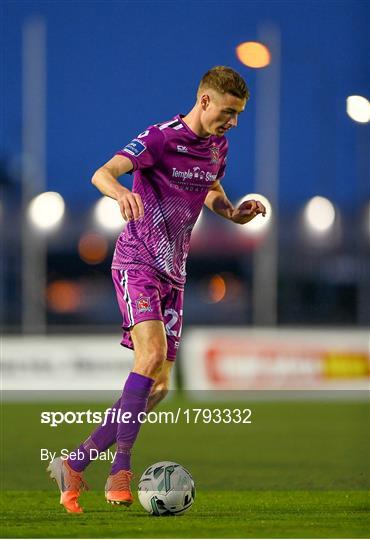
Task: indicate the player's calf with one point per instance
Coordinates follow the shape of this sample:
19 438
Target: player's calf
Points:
161 385
158 393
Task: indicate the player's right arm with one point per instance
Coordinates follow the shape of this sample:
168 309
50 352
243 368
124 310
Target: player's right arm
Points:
106 180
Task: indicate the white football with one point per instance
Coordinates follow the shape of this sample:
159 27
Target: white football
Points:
166 488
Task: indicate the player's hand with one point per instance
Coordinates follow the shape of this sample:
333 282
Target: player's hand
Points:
131 205
247 211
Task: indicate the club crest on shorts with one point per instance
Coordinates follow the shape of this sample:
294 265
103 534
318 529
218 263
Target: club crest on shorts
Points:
143 304
215 154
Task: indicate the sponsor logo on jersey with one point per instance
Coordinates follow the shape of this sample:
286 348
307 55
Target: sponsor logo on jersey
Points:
135 148
215 154
143 304
196 173
182 149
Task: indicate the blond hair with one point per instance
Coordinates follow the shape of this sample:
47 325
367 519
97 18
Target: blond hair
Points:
224 80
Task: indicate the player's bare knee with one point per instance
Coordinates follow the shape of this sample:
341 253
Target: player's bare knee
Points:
155 362
150 363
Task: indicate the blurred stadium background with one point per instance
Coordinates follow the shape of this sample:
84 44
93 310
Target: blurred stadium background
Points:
81 79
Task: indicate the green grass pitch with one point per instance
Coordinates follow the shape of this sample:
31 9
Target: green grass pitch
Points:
216 514
299 470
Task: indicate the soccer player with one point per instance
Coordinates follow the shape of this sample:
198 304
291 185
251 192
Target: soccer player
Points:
178 166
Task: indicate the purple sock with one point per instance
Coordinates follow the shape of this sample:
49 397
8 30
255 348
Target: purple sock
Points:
105 436
134 400
101 439
79 459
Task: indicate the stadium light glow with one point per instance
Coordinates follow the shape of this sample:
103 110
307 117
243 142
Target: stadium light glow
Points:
253 54
216 289
319 214
259 224
358 109
92 248
108 215
63 296
46 211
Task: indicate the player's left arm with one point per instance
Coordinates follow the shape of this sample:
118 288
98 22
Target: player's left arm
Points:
218 202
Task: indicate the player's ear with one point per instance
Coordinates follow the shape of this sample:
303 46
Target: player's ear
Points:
204 101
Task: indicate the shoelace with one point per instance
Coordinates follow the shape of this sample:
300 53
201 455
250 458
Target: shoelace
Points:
121 481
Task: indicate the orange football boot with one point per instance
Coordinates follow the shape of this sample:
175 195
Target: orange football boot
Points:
70 483
117 488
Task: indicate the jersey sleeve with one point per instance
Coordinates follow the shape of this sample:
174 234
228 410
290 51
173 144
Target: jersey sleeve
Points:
223 159
145 150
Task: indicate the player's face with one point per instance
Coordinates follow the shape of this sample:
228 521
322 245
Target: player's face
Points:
220 112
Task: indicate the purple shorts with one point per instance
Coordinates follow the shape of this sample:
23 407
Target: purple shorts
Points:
145 297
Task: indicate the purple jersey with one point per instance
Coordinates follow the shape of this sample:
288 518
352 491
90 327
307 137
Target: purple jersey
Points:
173 171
